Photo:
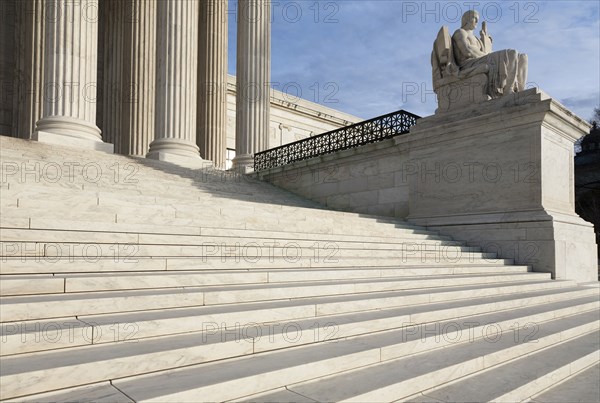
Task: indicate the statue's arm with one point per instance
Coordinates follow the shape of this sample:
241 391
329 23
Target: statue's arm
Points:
467 50
486 39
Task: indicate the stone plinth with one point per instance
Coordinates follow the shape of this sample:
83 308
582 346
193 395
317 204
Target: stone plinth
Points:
501 175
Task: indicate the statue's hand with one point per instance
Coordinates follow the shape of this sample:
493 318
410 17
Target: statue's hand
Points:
486 39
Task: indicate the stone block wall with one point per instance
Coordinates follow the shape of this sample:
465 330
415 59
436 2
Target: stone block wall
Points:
369 179
499 175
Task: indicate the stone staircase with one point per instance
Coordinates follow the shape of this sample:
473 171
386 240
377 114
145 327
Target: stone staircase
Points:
125 279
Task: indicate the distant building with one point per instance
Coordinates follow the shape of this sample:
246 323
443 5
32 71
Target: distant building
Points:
587 180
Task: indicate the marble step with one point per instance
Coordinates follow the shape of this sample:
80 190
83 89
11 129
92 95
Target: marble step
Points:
398 379
165 215
31 284
170 218
237 378
102 392
84 303
528 376
126 359
53 169
165 179
581 387
409 241
189 203
185 227
78 282
127 263
154 193
182 320
202 209
29 336
327 252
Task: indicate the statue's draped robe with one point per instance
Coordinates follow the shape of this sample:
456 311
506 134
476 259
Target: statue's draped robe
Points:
503 68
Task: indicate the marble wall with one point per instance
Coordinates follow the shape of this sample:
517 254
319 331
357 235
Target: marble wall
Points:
499 176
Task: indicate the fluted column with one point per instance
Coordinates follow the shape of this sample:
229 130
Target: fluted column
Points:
30 67
176 92
8 66
70 87
212 82
139 75
253 76
112 83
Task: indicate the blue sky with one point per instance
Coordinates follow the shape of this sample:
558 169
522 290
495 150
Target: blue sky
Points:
371 57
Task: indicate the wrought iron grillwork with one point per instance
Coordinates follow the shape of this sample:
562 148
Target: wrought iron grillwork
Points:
369 131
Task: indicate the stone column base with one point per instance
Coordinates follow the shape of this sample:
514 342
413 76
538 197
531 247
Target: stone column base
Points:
70 132
243 164
178 152
70 141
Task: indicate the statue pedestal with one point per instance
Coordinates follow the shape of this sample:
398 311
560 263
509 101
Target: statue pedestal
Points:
454 93
500 175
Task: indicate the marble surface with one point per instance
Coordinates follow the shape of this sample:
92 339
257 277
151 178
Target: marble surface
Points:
143 317
583 387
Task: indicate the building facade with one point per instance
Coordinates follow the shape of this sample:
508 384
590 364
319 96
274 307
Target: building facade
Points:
148 78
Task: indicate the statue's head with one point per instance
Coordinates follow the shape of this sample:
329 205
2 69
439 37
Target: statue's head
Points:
470 19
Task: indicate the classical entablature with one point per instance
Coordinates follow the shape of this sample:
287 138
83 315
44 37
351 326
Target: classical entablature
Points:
77 60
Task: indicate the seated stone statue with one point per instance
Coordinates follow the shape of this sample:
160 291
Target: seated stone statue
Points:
466 71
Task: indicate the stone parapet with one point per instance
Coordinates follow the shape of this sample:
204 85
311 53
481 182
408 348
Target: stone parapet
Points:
499 175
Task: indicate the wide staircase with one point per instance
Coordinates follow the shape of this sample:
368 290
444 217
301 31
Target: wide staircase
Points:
124 279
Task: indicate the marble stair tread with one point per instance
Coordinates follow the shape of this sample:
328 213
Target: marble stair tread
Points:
239 292
400 378
357 242
68 264
529 375
31 284
80 282
196 182
326 252
45 220
136 199
293 274
62 305
23 337
335 355
239 377
30 336
13 267
73 304
582 387
280 395
179 320
136 195
98 393
21 284
119 222
430 289
183 350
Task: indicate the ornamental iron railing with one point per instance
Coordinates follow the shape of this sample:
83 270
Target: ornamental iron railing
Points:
369 131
